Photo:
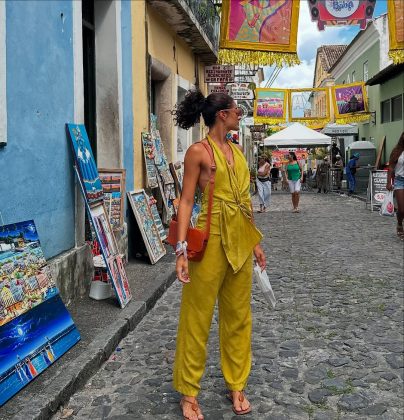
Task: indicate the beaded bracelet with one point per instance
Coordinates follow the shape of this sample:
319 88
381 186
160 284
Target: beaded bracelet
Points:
181 249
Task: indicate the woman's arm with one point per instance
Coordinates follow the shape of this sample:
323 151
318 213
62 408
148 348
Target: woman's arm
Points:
192 170
390 177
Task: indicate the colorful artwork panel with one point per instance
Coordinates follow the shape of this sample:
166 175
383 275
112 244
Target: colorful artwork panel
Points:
144 217
177 172
156 217
349 99
32 342
25 280
113 184
270 106
395 10
149 155
306 105
109 249
256 27
85 162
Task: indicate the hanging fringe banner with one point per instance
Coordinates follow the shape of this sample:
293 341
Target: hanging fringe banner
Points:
395 10
270 106
350 103
258 32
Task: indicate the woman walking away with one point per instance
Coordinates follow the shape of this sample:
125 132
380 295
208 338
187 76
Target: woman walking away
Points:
395 177
263 183
225 272
294 175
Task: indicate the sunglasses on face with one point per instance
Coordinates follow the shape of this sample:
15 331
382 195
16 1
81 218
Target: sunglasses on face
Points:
239 111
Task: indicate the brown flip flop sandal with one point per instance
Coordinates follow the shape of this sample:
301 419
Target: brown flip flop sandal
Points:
241 399
194 405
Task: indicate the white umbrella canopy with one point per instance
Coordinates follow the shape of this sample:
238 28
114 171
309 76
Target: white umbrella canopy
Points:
297 135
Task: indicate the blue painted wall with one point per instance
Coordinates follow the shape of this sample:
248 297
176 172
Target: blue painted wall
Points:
36 167
128 152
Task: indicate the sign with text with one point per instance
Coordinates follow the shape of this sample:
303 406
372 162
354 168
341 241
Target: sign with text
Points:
215 88
258 128
377 188
241 91
219 74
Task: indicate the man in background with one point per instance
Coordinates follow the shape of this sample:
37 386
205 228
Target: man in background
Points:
322 175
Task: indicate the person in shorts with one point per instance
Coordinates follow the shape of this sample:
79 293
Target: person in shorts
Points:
294 176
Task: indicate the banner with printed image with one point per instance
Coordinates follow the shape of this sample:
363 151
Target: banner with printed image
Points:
395 10
270 106
259 32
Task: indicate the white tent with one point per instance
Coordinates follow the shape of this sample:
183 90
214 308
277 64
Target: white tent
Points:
297 135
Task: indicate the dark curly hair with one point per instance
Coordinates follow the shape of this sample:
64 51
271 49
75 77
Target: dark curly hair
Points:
188 112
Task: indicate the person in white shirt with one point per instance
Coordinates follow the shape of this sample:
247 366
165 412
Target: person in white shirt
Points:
263 183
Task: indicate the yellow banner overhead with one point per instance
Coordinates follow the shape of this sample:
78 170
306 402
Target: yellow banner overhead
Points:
350 103
395 10
270 106
260 32
309 106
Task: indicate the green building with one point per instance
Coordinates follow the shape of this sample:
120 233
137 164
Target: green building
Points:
366 59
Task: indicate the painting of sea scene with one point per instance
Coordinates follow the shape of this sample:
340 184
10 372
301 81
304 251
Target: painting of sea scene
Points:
25 280
32 342
85 162
270 104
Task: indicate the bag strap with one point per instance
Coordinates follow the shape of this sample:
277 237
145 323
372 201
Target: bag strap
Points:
212 176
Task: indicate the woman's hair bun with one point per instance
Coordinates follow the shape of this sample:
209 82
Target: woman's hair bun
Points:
188 112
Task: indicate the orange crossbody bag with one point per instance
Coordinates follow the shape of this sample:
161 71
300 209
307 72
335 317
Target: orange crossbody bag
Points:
197 239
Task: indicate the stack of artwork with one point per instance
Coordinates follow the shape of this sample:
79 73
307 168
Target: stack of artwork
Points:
89 179
35 326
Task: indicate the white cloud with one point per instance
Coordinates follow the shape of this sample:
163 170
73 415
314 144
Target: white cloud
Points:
309 38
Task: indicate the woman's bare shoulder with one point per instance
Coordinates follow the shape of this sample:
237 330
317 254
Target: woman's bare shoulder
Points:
195 150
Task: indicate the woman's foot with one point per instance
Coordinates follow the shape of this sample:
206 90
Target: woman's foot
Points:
190 408
240 403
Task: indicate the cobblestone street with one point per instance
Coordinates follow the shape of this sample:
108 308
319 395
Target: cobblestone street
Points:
332 348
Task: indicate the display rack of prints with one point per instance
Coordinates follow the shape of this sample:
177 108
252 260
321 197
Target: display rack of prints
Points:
156 217
35 326
85 162
149 155
109 249
144 217
113 184
177 172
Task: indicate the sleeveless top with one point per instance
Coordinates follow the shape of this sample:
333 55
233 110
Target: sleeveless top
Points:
231 208
293 171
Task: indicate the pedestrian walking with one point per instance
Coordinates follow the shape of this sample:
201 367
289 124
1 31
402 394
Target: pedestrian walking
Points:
274 172
322 175
263 183
225 272
351 171
395 180
339 171
294 176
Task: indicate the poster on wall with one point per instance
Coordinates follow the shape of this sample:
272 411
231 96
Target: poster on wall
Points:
270 106
350 102
144 217
395 10
85 162
149 155
258 33
341 12
35 326
113 184
109 249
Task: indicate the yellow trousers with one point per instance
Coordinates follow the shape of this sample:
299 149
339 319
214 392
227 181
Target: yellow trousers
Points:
212 279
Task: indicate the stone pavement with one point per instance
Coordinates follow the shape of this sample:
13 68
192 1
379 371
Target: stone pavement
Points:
332 348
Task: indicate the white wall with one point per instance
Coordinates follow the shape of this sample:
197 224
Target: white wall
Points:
3 96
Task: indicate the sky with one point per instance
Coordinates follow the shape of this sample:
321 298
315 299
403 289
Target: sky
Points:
309 38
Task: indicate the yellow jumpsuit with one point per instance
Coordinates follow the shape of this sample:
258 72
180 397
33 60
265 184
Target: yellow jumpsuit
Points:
225 274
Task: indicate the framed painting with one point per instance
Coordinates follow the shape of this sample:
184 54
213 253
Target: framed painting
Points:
349 99
35 327
156 217
149 154
177 172
113 185
270 106
144 217
85 162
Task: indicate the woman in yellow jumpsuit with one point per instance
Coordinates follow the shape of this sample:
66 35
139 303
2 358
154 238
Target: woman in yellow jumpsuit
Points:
225 272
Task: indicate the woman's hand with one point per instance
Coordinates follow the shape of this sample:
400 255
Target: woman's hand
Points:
260 257
389 186
181 267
